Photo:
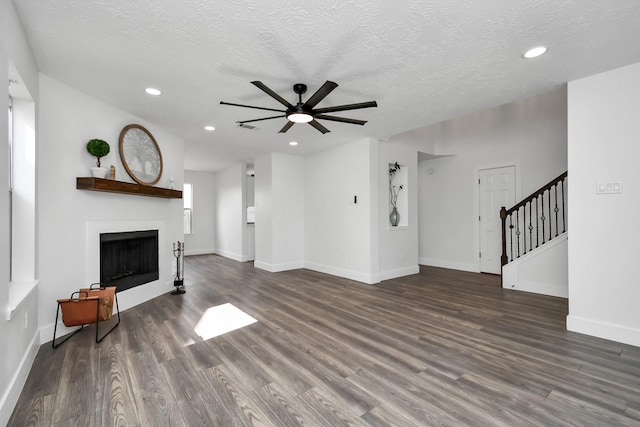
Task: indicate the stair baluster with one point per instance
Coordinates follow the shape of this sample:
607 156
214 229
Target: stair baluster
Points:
554 213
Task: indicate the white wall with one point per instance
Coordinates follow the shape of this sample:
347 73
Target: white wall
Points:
24 191
529 133
543 271
287 206
339 234
279 196
19 335
203 239
604 146
230 212
263 189
69 219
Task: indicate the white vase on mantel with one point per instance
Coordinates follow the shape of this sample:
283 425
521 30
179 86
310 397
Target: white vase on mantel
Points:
99 172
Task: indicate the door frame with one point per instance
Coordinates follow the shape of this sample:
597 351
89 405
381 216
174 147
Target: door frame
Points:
476 192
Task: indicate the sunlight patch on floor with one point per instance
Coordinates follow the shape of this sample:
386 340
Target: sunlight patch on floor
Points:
222 319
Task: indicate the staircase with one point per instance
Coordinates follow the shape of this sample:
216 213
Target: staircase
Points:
534 241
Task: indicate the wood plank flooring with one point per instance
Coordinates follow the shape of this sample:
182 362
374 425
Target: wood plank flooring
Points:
442 347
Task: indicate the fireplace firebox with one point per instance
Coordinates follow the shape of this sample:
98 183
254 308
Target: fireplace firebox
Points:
129 259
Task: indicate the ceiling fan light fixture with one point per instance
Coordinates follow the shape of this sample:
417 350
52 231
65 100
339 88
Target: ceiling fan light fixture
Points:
298 117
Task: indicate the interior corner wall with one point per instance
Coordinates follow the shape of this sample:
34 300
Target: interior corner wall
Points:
287 174
604 135
530 133
203 239
69 218
230 212
279 201
338 238
263 215
20 340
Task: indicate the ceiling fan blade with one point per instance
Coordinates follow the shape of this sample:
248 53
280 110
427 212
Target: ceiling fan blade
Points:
346 107
251 106
320 94
286 127
272 94
318 126
264 118
340 119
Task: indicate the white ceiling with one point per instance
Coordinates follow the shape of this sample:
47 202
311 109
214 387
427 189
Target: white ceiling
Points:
422 61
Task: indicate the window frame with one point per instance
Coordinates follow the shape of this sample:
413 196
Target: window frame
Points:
188 210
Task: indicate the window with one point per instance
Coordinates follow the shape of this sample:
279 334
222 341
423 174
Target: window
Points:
10 139
187 197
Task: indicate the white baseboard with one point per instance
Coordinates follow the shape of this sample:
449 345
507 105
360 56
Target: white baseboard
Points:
231 255
618 333
400 272
274 268
541 288
340 272
449 264
188 252
12 393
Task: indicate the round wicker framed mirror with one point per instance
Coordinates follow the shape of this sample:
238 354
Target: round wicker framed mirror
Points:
140 154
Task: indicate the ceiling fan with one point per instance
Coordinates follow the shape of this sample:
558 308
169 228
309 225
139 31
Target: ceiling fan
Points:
304 112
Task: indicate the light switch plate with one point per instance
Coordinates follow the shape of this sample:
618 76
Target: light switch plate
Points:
614 187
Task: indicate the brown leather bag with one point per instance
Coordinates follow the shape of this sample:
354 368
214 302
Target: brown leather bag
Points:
89 305
106 296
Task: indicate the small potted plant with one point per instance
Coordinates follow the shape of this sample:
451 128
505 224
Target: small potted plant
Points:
98 148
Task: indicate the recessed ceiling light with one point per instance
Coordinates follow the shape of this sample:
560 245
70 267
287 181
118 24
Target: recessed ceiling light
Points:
535 52
209 128
293 143
153 91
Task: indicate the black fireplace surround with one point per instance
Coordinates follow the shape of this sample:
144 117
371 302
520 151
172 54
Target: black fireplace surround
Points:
129 259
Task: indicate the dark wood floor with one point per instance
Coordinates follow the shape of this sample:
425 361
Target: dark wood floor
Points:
438 348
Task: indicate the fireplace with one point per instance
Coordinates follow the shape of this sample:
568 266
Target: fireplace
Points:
129 259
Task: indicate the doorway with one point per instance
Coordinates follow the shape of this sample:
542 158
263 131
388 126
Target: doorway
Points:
497 189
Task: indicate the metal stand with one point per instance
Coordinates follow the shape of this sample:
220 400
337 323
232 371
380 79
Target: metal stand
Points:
178 282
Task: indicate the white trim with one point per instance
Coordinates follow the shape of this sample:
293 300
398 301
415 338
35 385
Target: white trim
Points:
340 272
232 255
15 386
539 288
397 227
462 266
18 293
399 272
274 268
208 251
609 331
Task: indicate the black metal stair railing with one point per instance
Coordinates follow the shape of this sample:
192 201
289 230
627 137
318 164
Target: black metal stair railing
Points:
534 221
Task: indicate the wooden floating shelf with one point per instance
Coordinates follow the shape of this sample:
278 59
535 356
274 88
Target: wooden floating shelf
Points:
111 186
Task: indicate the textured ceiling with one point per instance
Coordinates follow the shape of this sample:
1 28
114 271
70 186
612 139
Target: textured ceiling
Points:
422 61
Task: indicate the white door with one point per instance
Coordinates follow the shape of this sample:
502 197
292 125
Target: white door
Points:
497 189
